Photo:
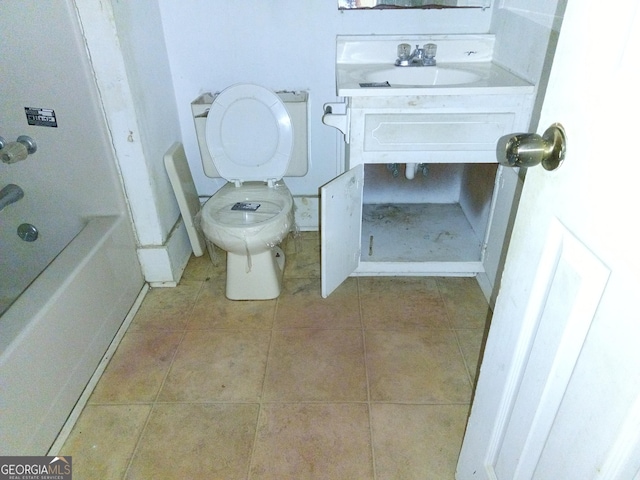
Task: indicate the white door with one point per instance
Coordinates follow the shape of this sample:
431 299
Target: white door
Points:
558 395
341 224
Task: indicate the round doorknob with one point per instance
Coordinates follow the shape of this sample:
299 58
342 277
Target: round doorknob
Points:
531 149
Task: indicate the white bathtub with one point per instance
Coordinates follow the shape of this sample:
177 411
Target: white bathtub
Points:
54 335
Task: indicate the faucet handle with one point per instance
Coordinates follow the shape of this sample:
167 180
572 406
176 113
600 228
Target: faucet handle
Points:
430 50
404 51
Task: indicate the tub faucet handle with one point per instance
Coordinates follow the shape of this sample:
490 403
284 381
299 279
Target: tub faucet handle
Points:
13 152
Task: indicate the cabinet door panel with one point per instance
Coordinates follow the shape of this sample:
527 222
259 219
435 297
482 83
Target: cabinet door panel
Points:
340 226
435 132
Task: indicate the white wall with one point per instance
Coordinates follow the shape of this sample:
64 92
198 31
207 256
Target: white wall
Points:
283 45
527 34
139 30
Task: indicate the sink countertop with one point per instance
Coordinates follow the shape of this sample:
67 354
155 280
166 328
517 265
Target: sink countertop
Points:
357 56
493 80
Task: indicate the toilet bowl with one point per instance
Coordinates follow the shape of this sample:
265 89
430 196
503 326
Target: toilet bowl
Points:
250 236
249 136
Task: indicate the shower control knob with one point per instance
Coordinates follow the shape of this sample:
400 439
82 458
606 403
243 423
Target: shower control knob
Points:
28 142
13 152
530 149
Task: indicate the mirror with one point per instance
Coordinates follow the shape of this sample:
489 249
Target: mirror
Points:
393 4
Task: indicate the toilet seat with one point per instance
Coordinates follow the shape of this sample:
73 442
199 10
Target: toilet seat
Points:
248 231
219 212
249 134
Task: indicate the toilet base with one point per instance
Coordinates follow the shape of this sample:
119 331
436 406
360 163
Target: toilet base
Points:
259 278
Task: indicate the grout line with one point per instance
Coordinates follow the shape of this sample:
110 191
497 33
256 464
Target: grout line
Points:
134 451
455 332
457 337
255 439
155 402
284 402
262 389
464 360
444 304
366 373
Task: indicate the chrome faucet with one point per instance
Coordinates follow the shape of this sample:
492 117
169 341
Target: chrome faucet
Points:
10 194
420 57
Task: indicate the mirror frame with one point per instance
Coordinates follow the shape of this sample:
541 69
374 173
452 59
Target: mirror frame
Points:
350 5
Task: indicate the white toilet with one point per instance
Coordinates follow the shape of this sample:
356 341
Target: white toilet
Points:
249 141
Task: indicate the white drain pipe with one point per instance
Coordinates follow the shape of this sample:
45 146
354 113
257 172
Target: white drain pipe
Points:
410 170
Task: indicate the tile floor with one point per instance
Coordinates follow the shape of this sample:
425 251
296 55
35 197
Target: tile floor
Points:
373 382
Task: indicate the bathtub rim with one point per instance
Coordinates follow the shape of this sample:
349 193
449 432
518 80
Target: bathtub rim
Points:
46 288
61 346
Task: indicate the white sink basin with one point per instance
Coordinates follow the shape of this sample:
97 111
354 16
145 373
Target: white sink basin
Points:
460 78
365 67
422 76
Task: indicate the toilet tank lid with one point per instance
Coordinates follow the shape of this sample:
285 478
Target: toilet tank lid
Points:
249 134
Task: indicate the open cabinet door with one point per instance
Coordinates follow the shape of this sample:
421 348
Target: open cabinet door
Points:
340 227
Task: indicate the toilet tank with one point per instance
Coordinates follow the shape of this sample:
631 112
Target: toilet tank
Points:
296 104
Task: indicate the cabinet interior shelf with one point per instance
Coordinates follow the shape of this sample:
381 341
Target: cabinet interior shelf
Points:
418 233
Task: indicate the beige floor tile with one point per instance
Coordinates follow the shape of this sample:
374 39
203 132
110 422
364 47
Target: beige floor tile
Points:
397 285
198 269
224 357
302 306
166 308
218 365
416 367
464 301
318 365
302 256
138 367
213 310
312 441
401 303
471 341
196 441
103 440
417 441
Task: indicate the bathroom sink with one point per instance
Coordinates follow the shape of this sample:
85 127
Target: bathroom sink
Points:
460 78
464 66
422 76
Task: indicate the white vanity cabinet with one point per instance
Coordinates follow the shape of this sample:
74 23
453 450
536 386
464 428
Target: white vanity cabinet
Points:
457 217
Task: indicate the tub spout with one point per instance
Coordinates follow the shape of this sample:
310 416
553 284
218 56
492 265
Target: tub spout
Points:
10 194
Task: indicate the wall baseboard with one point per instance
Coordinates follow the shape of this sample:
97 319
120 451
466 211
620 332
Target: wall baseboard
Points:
307 213
163 265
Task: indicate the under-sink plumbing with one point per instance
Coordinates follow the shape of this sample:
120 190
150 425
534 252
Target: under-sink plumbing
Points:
10 194
410 170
